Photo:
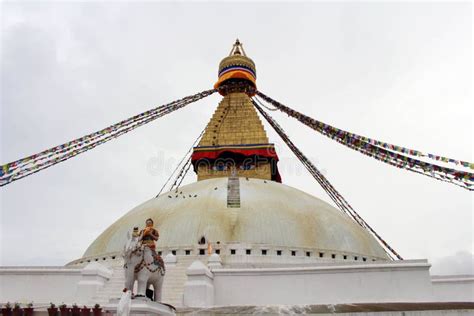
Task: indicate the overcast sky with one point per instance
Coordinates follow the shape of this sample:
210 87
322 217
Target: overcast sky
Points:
397 72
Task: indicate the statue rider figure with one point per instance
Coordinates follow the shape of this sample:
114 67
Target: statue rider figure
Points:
148 237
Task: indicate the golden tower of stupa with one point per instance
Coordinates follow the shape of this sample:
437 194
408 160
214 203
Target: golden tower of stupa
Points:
235 142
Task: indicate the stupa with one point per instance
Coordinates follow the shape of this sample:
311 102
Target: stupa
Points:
239 236
238 207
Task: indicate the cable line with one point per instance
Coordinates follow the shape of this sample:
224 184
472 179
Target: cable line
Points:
338 199
179 164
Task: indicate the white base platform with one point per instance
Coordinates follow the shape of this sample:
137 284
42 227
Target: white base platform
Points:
141 307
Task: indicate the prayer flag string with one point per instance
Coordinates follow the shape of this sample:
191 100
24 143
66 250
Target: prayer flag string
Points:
29 165
384 152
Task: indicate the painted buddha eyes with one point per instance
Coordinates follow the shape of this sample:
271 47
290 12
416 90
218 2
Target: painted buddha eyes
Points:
247 167
224 167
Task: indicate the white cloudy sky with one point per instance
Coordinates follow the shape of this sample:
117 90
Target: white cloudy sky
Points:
399 72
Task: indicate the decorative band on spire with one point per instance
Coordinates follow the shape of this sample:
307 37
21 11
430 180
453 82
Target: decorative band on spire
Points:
239 68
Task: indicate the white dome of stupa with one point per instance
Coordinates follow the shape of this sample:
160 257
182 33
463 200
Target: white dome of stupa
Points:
271 216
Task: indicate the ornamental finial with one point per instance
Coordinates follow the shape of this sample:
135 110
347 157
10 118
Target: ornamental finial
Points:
237 49
237 72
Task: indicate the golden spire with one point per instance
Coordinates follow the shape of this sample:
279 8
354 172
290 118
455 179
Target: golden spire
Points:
235 142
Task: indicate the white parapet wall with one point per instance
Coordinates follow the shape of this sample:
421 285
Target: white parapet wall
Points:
43 285
215 285
453 288
38 284
399 281
407 281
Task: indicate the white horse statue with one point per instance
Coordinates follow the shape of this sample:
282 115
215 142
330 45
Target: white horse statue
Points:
140 265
